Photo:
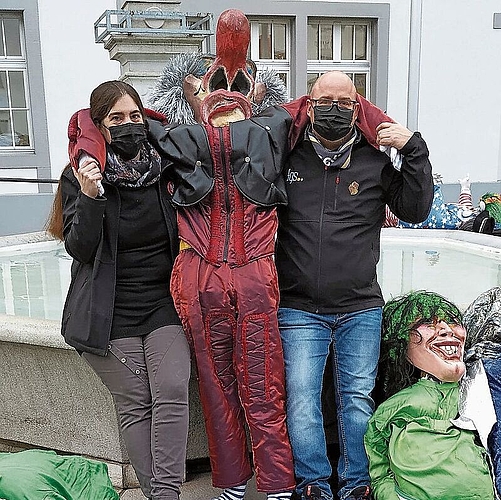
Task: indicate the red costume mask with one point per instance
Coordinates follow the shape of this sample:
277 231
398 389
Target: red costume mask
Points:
223 95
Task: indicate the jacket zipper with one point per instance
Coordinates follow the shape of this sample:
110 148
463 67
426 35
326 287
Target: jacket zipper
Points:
338 179
320 227
226 195
336 183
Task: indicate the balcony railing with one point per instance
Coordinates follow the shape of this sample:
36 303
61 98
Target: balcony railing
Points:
153 22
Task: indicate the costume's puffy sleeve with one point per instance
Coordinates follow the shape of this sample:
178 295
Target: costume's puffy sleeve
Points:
369 118
85 137
297 109
377 439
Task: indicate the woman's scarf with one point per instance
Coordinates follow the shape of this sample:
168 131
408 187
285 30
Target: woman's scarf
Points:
135 173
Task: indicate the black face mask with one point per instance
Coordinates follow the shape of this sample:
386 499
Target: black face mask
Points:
127 139
333 124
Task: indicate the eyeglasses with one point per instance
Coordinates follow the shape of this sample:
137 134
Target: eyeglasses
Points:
327 104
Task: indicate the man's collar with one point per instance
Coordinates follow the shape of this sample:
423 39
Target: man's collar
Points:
354 138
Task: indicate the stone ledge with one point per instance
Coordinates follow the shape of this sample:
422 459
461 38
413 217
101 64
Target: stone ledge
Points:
52 399
20 239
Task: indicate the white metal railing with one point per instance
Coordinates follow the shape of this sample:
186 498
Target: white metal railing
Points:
153 22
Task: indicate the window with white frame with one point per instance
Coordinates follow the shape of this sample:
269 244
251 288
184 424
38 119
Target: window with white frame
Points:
270 47
14 110
340 44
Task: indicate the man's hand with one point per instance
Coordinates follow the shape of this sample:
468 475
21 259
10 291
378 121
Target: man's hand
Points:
88 175
392 134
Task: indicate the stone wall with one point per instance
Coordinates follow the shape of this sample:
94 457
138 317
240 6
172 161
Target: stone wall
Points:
51 398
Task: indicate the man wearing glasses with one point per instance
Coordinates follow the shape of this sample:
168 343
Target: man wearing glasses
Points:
326 254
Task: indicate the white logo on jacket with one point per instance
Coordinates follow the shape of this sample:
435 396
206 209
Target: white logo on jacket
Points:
293 177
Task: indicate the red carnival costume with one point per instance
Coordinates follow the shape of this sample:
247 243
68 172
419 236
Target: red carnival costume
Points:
228 181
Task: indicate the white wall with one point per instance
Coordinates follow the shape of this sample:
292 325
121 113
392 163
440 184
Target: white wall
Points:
73 65
459 110
398 60
459 103
460 100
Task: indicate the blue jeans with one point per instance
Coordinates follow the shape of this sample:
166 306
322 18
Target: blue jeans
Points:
355 341
493 371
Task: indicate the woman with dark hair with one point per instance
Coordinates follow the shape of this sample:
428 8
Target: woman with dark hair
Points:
416 449
120 229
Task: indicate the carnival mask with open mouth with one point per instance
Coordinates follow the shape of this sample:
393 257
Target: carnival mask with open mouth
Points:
436 347
223 95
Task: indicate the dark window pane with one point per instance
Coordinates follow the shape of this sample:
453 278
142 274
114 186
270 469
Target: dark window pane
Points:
312 77
360 43
346 42
264 40
313 42
17 94
280 46
326 42
283 77
21 135
4 96
5 130
12 29
360 81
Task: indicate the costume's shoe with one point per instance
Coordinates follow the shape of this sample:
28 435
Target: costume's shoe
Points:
283 495
360 493
235 493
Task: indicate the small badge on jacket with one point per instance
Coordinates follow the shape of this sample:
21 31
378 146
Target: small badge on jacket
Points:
353 188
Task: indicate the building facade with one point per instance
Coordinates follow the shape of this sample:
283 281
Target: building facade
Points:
432 66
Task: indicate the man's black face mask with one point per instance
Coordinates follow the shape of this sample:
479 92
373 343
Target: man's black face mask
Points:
127 139
333 124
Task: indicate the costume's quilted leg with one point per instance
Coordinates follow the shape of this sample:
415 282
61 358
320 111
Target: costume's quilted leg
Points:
204 305
260 372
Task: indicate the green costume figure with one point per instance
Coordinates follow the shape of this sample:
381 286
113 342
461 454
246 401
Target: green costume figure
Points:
415 451
44 475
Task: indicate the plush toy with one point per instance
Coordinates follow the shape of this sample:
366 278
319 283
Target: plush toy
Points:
415 450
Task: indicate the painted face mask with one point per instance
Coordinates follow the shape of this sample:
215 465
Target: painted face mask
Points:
333 124
127 139
436 347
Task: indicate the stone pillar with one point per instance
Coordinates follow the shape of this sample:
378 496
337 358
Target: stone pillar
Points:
143 55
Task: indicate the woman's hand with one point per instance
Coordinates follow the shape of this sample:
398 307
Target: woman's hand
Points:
88 176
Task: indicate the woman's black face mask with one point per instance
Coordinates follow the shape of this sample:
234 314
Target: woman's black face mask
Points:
127 139
333 124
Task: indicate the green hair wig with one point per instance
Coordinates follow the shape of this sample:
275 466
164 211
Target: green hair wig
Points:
492 203
401 315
